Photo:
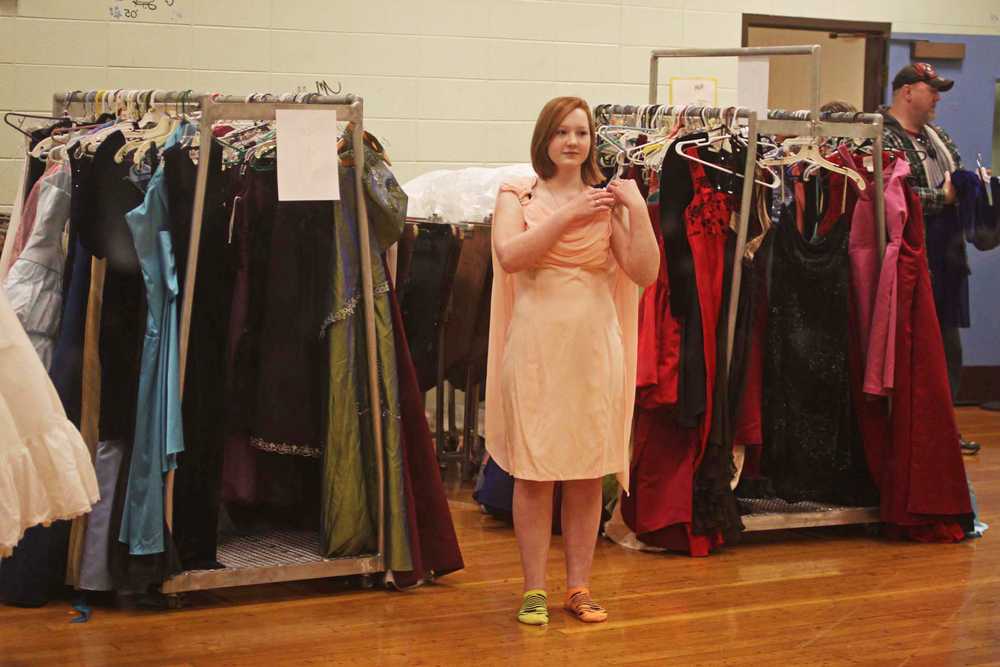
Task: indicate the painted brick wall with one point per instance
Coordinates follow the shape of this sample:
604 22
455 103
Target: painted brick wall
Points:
447 83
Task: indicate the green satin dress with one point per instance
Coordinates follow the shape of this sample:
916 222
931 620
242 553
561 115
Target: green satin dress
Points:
350 487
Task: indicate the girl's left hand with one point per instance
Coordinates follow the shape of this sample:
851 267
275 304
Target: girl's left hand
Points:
626 192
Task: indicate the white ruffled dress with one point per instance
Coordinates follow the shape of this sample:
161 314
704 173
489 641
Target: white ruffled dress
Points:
46 473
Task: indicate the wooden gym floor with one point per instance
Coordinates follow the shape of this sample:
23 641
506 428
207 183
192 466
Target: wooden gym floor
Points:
814 597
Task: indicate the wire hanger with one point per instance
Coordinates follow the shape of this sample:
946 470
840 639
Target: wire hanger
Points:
25 116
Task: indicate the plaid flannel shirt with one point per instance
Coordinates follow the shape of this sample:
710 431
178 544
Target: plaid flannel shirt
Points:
894 137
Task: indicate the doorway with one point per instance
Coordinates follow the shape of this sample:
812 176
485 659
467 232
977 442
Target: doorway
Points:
853 59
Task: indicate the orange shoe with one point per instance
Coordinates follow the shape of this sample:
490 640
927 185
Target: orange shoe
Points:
579 604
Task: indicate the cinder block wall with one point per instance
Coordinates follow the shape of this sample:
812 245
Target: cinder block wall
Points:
447 83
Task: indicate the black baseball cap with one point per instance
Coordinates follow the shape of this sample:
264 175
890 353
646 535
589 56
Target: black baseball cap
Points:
918 72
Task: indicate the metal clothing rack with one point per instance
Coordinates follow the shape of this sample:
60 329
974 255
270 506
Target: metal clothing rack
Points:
795 123
286 556
809 123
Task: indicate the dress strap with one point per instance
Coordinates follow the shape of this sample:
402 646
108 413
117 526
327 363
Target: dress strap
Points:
698 175
522 187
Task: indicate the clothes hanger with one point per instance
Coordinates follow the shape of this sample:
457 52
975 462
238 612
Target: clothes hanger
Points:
42 148
620 137
183 122
89 108
25 116
140 141
616 136
263 148
239 140
773 184
60 151
73 128
88 144
680 122
84 125
60 141
237 133
246 140
809 152
651 153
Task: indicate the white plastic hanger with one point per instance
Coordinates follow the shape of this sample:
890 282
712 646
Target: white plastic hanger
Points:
809 152
141 141
774 183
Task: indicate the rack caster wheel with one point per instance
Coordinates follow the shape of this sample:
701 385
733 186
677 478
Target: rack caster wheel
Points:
174 601
367 581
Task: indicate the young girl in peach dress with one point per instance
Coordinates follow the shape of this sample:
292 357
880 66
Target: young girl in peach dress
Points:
569 260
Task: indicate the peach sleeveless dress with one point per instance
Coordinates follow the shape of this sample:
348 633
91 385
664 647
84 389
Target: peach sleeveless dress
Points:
560 384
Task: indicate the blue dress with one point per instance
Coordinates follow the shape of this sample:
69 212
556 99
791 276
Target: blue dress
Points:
159 435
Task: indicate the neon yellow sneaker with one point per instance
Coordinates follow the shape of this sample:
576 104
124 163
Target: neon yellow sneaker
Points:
534 608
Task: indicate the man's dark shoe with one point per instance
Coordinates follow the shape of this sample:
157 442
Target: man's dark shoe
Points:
969 447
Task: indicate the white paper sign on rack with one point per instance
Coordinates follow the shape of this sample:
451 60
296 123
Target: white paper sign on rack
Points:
753 75
307 155
695 91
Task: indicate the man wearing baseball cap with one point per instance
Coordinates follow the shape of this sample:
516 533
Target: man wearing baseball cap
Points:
916 90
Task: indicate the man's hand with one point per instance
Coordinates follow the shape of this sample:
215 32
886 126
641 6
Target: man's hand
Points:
949 189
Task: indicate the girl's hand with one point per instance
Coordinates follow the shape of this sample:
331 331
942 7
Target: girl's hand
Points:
626 192
589 203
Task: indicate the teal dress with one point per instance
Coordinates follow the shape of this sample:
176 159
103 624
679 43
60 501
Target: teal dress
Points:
159 435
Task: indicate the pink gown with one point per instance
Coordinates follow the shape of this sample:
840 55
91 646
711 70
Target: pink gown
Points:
560 384
881 354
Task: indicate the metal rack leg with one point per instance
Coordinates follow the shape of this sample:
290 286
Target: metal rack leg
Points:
454 434
439 433
469 426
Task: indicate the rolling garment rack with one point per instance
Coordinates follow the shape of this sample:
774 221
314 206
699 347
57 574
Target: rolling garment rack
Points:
777 515
281 556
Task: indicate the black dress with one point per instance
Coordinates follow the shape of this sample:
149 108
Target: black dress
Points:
811 442
106 235
291 382
197 483
676 193
424 292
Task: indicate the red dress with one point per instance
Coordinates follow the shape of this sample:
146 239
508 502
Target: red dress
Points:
659 339
914 454
666 454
